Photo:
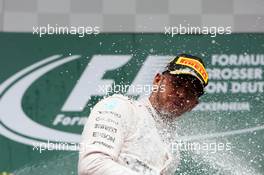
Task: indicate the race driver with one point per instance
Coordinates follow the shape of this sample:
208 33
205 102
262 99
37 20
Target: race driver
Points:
127 137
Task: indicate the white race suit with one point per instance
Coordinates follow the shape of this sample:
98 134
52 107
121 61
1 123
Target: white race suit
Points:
122 137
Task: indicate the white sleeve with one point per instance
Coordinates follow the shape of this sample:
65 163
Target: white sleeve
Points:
102 138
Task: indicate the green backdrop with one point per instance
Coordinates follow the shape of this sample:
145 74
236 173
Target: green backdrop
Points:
230 112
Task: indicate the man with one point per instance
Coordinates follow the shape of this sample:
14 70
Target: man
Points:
126 137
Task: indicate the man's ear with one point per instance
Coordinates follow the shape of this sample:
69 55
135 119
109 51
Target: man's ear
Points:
157 79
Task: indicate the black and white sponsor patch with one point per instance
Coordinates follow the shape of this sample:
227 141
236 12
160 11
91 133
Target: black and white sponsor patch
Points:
111 113
108 120
104 144
104 135
106 127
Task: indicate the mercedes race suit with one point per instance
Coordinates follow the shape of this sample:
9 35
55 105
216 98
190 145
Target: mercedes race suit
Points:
122 137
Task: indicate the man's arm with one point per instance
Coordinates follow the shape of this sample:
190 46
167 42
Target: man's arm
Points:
100 164
103 137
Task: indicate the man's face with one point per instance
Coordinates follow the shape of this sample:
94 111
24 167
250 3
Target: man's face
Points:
176 95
